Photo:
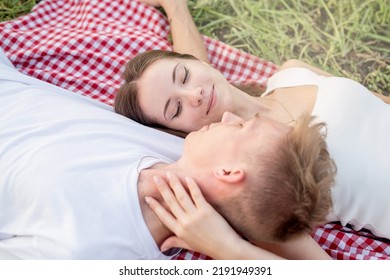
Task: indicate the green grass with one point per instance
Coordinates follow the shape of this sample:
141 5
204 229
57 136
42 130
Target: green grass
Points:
10 9
344 37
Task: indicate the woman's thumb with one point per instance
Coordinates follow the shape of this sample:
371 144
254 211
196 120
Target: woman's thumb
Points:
174 242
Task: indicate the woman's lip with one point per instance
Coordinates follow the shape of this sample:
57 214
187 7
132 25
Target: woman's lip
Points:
211 100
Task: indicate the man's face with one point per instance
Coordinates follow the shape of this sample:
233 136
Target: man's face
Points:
231 140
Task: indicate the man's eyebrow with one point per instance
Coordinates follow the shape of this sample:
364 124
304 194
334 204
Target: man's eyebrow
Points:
166 108
174 73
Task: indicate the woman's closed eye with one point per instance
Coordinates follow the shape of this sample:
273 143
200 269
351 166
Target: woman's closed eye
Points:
186 73
178 110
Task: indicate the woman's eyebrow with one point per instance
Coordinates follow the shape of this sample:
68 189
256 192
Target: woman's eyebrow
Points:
174 73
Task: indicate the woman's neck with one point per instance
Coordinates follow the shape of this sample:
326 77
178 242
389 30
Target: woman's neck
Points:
247 106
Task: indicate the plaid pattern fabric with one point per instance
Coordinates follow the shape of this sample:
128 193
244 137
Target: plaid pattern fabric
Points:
83 45
346 244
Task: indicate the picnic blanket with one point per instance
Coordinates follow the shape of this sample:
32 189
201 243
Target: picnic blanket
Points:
83 45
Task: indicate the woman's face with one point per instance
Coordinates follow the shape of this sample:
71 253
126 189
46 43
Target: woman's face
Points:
183 94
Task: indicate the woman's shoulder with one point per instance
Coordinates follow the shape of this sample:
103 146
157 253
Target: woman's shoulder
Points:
294 72
294 68
292 63
291 76
295 63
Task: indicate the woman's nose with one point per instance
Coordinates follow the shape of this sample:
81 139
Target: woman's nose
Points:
195 96
231 118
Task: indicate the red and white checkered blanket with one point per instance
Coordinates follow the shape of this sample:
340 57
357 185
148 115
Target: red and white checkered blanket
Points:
82 45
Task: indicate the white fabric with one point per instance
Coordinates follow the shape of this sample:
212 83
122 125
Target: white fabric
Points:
358 140
69 170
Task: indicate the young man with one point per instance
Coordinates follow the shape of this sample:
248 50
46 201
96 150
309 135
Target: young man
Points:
74 174
69 170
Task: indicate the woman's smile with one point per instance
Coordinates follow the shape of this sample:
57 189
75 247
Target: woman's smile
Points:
211 102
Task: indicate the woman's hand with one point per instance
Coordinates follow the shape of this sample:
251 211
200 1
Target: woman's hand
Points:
192 219
165 4
185 35
155 3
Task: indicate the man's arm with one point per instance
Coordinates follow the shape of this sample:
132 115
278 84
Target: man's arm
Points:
185 35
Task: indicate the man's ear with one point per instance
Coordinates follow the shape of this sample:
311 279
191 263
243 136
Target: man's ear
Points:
233 175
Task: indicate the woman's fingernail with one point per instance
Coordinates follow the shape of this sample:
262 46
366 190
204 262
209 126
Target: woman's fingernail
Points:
147 199
164 248
156 179
169 175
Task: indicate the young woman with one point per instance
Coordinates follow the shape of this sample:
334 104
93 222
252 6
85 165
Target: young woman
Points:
183 93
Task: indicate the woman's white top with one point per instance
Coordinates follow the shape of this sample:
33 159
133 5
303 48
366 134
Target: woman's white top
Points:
358 139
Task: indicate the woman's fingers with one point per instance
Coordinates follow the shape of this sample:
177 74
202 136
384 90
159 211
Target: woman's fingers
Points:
180 201
196 193
162 214
168 196
196 224
181 195
174 242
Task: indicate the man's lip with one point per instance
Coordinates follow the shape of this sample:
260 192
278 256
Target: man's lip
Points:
211 99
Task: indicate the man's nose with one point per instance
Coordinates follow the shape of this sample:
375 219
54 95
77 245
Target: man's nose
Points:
231 118
195 96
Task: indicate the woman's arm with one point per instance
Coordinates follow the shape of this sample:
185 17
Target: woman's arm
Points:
185 35
302 248
385 98
197 226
